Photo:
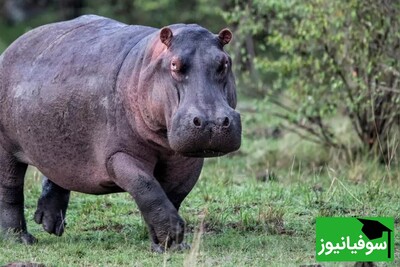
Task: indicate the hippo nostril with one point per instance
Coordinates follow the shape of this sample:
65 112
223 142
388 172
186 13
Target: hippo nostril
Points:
226 122
197 122
223 122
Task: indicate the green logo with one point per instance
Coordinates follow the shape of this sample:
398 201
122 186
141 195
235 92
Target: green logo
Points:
354 239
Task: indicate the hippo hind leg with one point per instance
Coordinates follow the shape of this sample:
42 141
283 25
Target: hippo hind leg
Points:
12 219
52 207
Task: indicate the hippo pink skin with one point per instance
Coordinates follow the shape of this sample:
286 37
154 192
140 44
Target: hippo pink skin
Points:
101 107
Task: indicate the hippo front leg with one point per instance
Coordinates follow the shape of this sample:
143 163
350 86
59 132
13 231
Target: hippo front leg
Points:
165 225
52 207
177 182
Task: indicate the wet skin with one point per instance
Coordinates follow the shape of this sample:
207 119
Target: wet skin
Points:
101 107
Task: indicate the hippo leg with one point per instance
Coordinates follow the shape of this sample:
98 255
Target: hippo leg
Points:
12 219
176 200
52 206
177 193
162 218
176 197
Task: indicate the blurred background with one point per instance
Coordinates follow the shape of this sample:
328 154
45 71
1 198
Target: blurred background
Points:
322 74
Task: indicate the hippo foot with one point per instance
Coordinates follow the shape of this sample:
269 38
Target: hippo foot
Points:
21 237
52 207
180 247
158 248
27 239
53 220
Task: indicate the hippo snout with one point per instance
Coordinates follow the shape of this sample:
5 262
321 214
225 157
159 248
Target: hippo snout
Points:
204 135
201 122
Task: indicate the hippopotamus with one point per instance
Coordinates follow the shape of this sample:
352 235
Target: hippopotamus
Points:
99 106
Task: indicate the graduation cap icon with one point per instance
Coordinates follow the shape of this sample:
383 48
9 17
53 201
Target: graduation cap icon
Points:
374 229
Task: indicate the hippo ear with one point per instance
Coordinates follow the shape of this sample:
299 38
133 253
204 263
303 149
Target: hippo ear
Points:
225 36
166 36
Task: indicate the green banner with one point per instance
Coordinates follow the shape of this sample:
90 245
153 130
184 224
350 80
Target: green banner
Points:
354 239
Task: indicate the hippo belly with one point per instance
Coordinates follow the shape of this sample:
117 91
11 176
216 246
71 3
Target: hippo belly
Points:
67 144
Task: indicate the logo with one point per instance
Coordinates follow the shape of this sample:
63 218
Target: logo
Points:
354 239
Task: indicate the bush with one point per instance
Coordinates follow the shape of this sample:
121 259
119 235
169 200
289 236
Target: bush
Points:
328 58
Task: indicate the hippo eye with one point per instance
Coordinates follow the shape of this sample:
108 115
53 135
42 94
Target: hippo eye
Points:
176 65
177 69
223 66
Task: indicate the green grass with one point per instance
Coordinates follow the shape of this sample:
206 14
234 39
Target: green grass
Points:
256 207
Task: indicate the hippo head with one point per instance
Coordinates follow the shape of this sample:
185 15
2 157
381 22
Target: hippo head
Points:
199 91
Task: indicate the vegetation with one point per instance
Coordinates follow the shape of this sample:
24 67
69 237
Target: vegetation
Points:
329 58
320 105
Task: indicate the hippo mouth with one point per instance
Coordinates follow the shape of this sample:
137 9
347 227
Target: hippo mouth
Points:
204 154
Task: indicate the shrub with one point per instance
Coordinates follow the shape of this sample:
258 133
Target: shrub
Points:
329 58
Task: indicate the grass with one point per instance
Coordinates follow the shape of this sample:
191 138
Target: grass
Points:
256 207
